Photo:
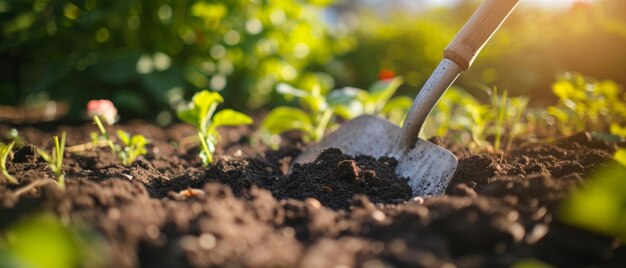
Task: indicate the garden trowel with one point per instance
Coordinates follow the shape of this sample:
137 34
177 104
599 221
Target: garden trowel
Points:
427 166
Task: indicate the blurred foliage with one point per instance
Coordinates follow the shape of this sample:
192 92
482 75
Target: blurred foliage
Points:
42 241
531 263
586 104
148 56
600 204
144 55
533 45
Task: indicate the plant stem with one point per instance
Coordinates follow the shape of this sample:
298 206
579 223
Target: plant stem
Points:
3 165
105 134
323 123
31 186
205 148
10 179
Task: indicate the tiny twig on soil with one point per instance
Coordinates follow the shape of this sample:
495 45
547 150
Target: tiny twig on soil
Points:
85 147
32 186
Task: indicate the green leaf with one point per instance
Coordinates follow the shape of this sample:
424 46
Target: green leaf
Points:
46 157
138 140
188 115
228 117
123 136
206 98
383 90
286 89
400 103
396 109
599 204
315 103
620 156
282 119
618 130
347 102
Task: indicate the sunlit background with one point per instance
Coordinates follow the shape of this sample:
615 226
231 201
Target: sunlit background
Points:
147 56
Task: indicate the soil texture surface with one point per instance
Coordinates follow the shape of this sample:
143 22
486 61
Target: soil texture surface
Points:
252 208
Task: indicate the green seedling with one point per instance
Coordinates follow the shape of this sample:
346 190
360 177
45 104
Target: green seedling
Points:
201 113
459 113
5 150
318 112
312 120
55 159
586 104
507 113
131 148
450 115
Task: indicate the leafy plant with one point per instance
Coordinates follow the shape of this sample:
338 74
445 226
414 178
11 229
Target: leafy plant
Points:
131 148
458 113
200 113
55 159
586 104
5 150
318 111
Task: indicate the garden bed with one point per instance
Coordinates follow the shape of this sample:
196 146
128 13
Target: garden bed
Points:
338 210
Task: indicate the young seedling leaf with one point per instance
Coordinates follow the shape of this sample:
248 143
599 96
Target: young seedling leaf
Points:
618 130
383 90
620 156
228 117
124 137
206 98
189 116
347 102
282 119
286 89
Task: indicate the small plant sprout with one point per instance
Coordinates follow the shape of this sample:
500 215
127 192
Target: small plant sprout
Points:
200 112
318 110
5 151
459 112
131 148
312 120
507 113
55 159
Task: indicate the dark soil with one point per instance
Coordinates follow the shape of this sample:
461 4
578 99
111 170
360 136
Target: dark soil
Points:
245 210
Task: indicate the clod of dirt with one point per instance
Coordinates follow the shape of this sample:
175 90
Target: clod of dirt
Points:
27 154
335 178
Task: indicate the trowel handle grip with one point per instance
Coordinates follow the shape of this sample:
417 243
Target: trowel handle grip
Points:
478 30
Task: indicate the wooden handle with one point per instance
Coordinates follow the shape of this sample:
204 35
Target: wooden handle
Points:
477 31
